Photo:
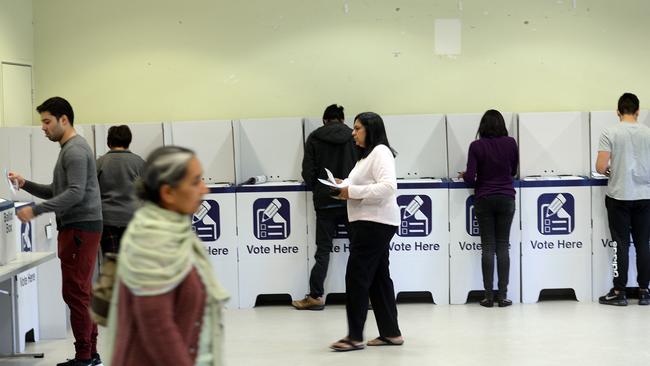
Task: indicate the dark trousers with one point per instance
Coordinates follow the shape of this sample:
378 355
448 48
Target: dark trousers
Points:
367 275
326 221
78 254
625 218
494 214
111 236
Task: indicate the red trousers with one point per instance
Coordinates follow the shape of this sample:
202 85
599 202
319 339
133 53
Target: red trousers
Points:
78 254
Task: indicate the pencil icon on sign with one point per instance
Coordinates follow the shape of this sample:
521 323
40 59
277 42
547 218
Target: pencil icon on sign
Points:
412 207
271 210
556 205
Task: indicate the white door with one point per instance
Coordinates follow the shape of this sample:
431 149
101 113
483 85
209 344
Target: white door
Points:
16 95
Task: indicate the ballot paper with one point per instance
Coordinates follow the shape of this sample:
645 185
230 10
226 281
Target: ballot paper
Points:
332 182
13 187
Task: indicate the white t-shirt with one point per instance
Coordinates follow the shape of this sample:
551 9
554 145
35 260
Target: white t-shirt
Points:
629 146
373 188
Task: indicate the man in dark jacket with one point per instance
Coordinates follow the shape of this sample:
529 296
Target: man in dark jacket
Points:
331 146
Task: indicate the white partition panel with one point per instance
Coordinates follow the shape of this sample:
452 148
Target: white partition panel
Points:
270 147
53 316
421 145
465 249
15 155
554 143
272 241
461 131
213 143
599 120
146 138
556 236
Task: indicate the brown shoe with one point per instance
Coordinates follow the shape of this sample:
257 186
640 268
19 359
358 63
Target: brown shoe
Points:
309 303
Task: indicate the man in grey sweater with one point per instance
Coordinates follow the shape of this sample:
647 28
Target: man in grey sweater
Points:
117 171
74 197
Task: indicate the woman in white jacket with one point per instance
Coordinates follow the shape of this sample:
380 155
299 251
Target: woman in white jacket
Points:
374 216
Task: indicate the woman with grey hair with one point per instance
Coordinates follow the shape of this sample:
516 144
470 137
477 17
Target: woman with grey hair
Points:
166 307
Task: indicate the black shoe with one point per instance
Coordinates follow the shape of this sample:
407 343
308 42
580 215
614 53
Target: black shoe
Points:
488 303
644 297
96 360
75 362
613 298
504 302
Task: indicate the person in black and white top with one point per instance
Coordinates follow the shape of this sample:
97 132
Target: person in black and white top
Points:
374 216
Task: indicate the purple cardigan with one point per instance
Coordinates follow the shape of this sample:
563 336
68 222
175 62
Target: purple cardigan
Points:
491 165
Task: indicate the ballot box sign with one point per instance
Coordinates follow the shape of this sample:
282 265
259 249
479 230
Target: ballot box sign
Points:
415 215
471 221
271 219
205 221
26 239
555 213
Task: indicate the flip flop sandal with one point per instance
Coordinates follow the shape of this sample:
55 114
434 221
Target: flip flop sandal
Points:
383 341
349 346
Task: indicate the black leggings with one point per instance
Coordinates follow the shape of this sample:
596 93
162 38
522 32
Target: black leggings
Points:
494 214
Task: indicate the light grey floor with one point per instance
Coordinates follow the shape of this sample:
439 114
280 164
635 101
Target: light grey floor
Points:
547 333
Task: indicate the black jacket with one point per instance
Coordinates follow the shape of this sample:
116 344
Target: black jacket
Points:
330 146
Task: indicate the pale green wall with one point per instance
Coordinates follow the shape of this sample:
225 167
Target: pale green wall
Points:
150 60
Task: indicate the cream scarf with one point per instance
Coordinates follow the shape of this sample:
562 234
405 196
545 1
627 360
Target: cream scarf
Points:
157 252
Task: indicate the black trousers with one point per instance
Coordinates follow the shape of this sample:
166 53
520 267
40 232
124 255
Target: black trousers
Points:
368 275
111 237
326 220
494 214
625 218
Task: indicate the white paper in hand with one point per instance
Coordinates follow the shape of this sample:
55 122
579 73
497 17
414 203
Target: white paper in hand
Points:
13 187
331 181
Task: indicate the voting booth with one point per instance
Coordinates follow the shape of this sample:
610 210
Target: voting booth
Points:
465 273
271 217
53 314
603 246
335 279
419 251
8 236
465 250
555 204
26 284
215 221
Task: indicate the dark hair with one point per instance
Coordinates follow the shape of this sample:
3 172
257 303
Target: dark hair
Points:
492 125
333 113
165 165
58 107
375 133
119 136
628 103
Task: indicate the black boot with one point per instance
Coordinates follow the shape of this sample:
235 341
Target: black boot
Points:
503 300
488 301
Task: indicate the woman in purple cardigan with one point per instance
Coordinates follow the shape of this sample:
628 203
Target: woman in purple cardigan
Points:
491 165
